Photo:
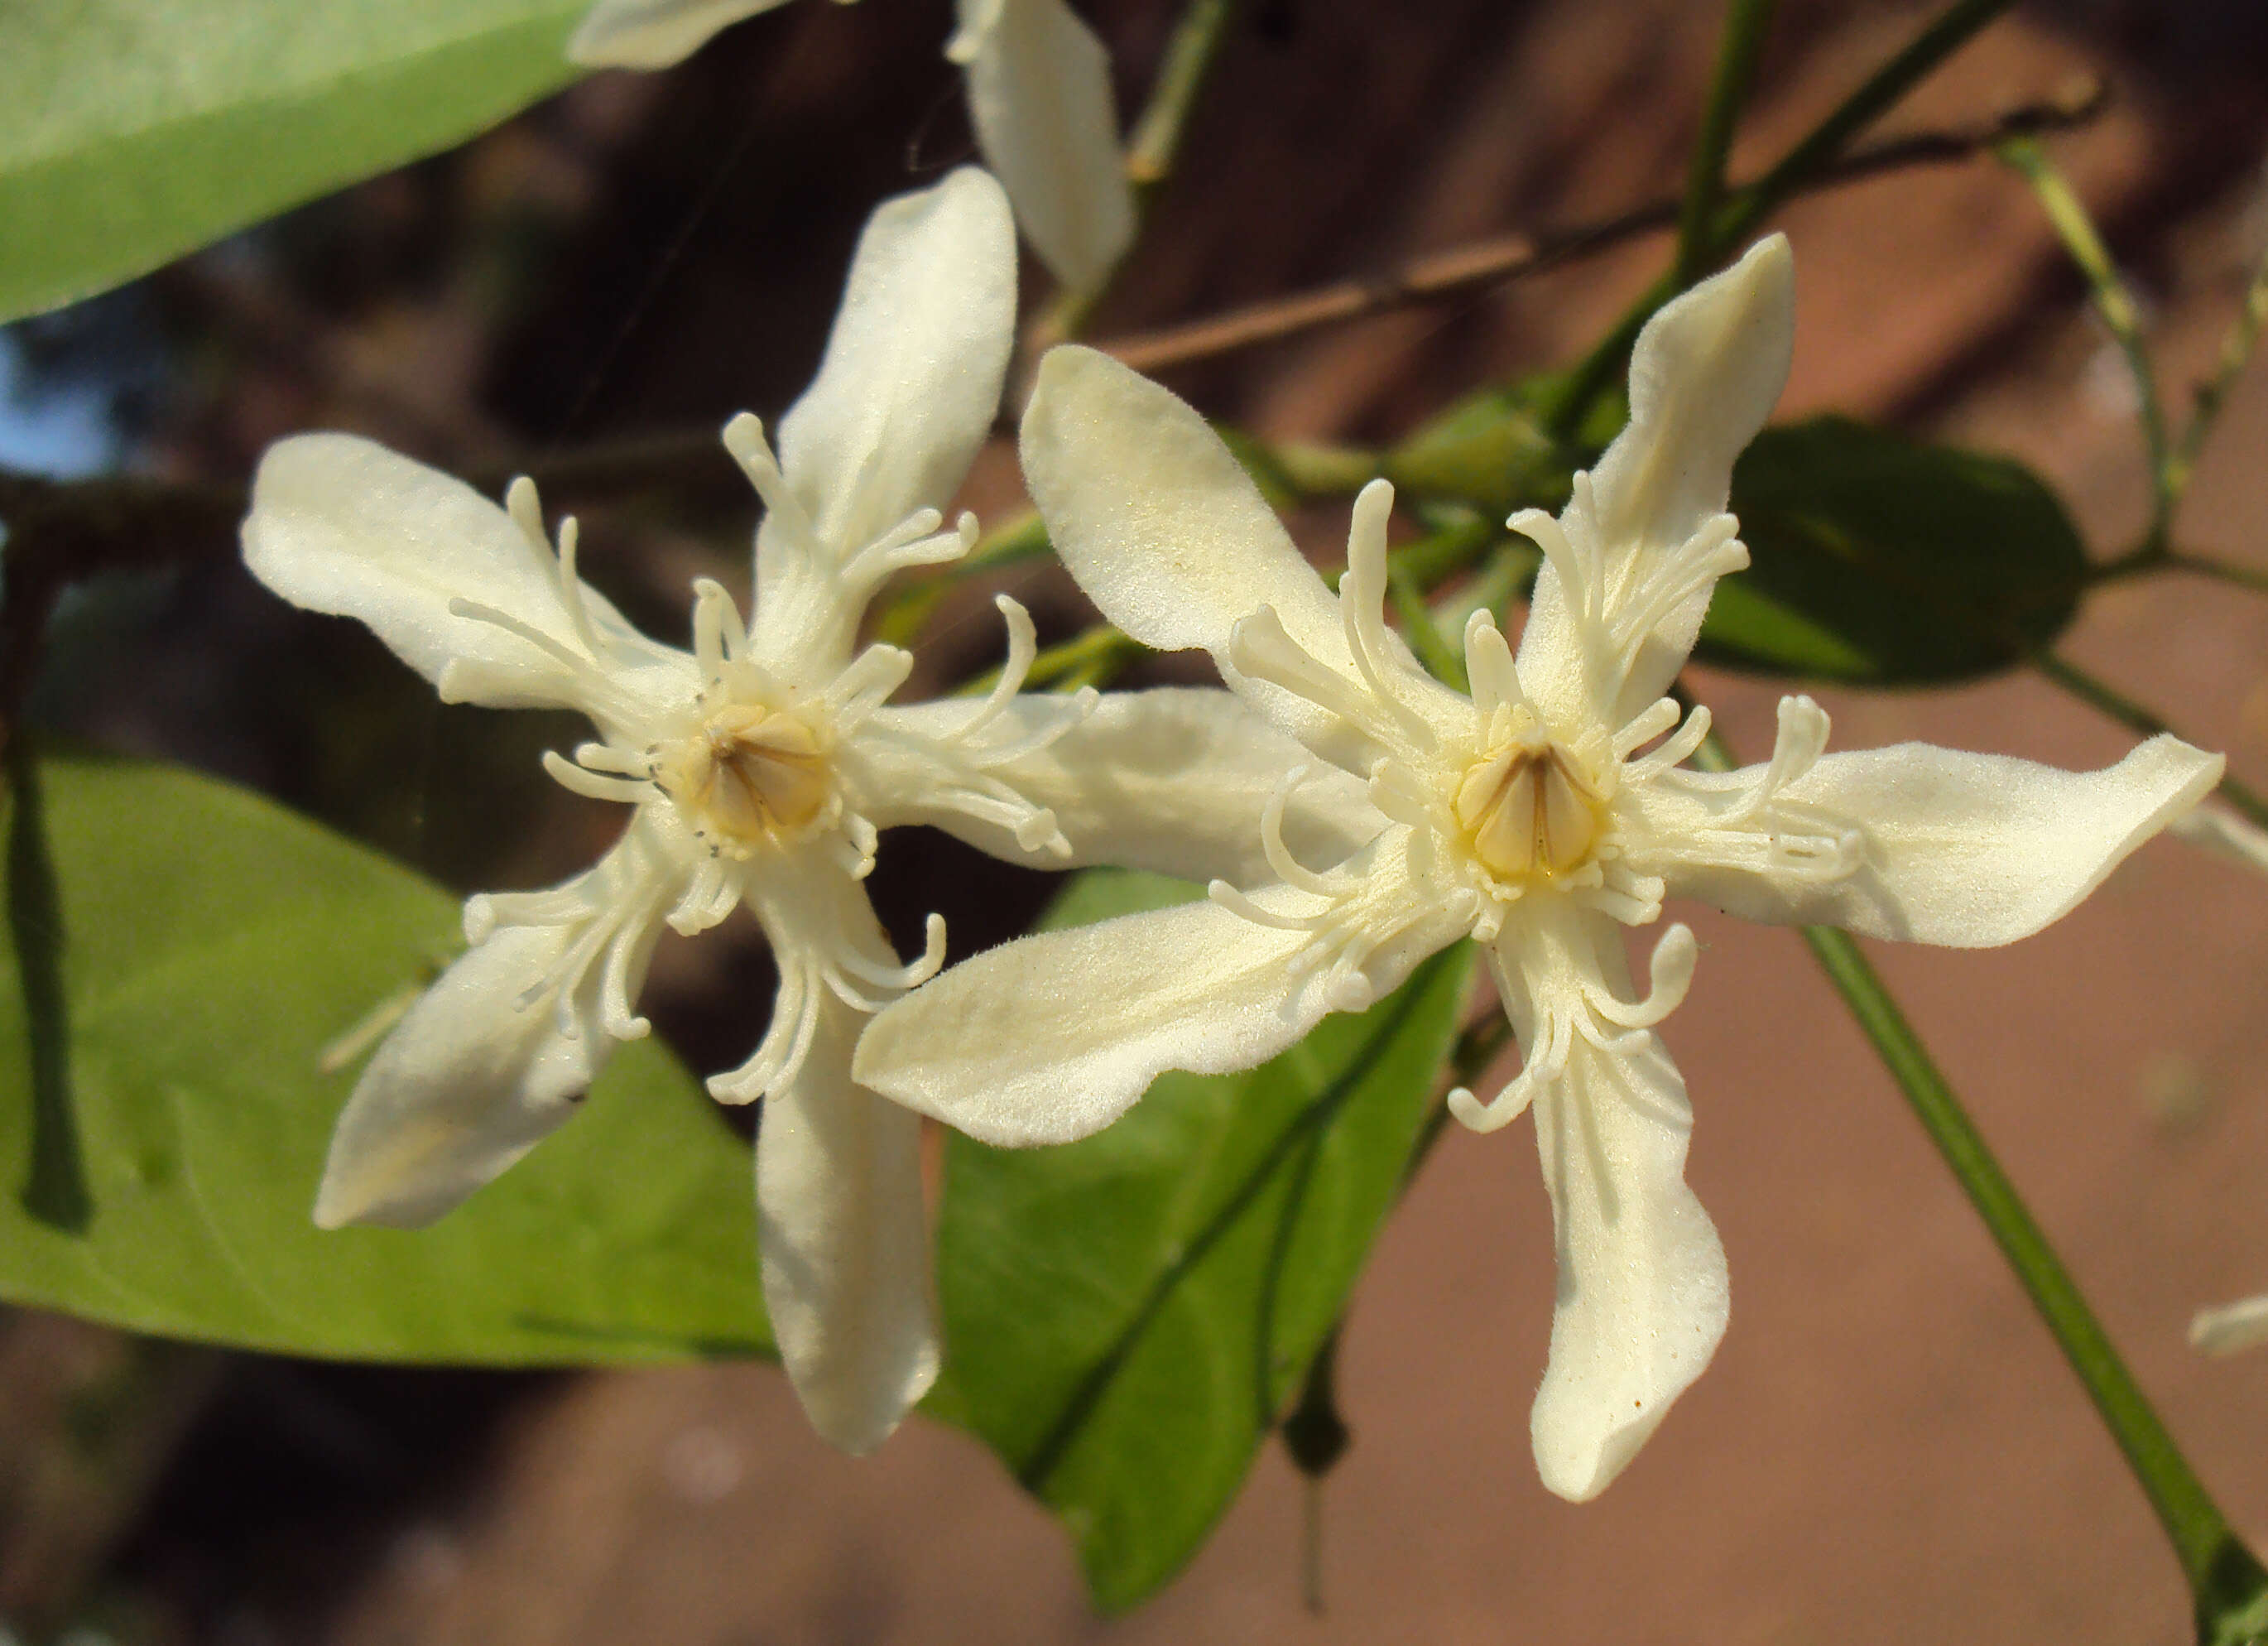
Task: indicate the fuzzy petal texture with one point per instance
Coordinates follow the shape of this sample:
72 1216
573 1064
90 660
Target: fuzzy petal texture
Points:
845 1244
464 1085
487 1063
1965 849
1050 1038
906 392
1643 1292
1163 528
1039 94
654 34
341 524
1174 780
1705 375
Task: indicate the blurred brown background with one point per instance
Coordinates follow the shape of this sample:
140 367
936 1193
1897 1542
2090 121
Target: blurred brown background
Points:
1887 1449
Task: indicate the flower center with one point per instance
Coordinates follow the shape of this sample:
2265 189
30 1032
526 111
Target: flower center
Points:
749 776
1529 810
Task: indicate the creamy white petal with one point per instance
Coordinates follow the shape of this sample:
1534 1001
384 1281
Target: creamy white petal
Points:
654 34
497 1054
1050 1038
1039 94
906 392
845 1242
1167 534
2224 1330
1968 849
1643 1294
1155 517
1174 780
2222 829
1704 377
341 525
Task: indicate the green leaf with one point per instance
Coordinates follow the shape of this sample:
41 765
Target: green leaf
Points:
132 131
1880 559
201 947
1492 448
1128 1314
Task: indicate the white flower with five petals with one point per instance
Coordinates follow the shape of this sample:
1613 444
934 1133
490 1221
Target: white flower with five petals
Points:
1539 816
1039 95
761 766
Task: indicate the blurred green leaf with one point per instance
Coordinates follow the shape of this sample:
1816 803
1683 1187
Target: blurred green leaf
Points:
209 947
1128 1314
1493 450
1880 559
132 131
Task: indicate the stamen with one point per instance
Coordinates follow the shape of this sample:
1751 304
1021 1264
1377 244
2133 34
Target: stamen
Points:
1675 752
1669 974
1489 666
1544 1065
1655 719
1260 647
744 439
866 683
592 784
627 955
1288 868
910 976
478 613
1362 608
526 510
717 631
1023 649
1237 903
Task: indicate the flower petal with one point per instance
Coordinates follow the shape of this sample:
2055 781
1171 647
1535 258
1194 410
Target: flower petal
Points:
1050 1038
653 33
845 1242
1704 377
910 381
497 1054
1967 850
341 525
1643 1294
1174 780
1155 517
1039 94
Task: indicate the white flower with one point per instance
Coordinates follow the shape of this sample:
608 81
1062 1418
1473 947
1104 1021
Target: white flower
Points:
2231 1327
761 766
1039 94
1538 816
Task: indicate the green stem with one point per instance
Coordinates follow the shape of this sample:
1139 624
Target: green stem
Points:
1188 63
2235 349
2101 695
1746 24
2223 1575
2249 577
2121 315
2225 1580
1747 207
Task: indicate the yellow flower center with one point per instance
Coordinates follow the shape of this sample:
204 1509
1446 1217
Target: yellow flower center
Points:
1529 810
749 776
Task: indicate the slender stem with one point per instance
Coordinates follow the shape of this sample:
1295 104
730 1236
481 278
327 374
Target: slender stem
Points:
1810 155
2252 577
1316 1436
2121 316
2102 695
2224 1579
1441 276
2235 349
2222 1575
1746 24
1190 55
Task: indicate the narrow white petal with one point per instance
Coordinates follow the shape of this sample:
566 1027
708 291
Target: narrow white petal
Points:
654 34
845 1244
341 525
1174 780
1968 849
1643 1295
2242 1324
1156 518
1039 94
910 381
1704 377
1050 1038
495 1055
2220 828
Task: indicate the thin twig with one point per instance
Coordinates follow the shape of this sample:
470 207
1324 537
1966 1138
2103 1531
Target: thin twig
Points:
2235 349
1441 276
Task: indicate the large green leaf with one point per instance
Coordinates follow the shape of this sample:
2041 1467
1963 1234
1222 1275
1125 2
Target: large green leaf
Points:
132 131
1128 1314
167 1140
1880 559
